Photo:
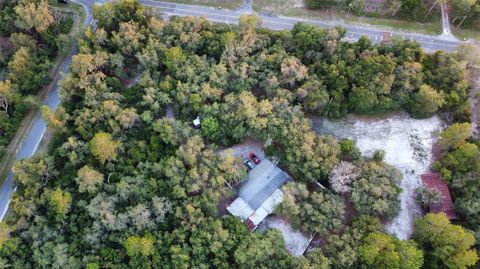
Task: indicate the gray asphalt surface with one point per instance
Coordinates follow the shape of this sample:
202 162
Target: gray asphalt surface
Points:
31 142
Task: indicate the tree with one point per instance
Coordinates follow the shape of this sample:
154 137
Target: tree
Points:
137 245
446 245
426 101
314 96
469 53
427 197
311 211
380 250
173 56
463 7
292 71
195 102
4 233
408 80
104 148
128 38
377 190
341 250
467 199
20 63
63 42
109 16
342 177
454 135
54 119
88 179
23 40
25 73
60 203
267 251
465 158
34 15
209 128
349 150
7 94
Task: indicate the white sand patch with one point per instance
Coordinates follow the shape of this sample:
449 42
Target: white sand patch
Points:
295 241
407 143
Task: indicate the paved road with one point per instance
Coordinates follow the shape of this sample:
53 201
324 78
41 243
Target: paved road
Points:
34 136
31 142
446 32
429 43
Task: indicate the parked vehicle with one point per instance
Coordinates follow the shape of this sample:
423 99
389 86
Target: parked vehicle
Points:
249 164
254 158
64 1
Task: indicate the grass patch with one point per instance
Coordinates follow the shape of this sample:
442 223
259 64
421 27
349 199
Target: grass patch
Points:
293 8
228 4
464 34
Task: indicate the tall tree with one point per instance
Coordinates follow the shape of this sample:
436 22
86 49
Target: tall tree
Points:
60 202
455 135
34 15
88 179
104 148
7 94
446 245
384 251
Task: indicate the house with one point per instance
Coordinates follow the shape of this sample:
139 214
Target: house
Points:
259 196
434 181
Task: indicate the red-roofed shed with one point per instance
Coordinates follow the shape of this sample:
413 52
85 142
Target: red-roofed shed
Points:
250 225
434 181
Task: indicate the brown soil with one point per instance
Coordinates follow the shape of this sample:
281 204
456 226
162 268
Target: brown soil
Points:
318 241
222 205
6 45
350 212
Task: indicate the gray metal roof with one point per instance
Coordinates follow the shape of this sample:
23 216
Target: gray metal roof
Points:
262 182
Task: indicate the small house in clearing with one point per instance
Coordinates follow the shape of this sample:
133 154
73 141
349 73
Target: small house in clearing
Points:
260 194
434 181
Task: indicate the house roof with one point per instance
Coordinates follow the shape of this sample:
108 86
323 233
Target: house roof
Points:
267 207
263 181
240 208
196 122
260 194
434 181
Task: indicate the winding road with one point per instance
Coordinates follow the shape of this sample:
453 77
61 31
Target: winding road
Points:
35 135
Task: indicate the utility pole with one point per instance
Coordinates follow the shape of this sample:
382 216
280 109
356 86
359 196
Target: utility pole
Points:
430 10
464 17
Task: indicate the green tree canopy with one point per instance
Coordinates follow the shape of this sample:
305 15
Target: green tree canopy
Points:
446 245
384 251
103 147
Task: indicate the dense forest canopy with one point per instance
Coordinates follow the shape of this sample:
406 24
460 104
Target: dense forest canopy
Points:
123 186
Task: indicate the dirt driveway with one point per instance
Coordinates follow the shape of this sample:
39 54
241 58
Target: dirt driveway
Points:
243 150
